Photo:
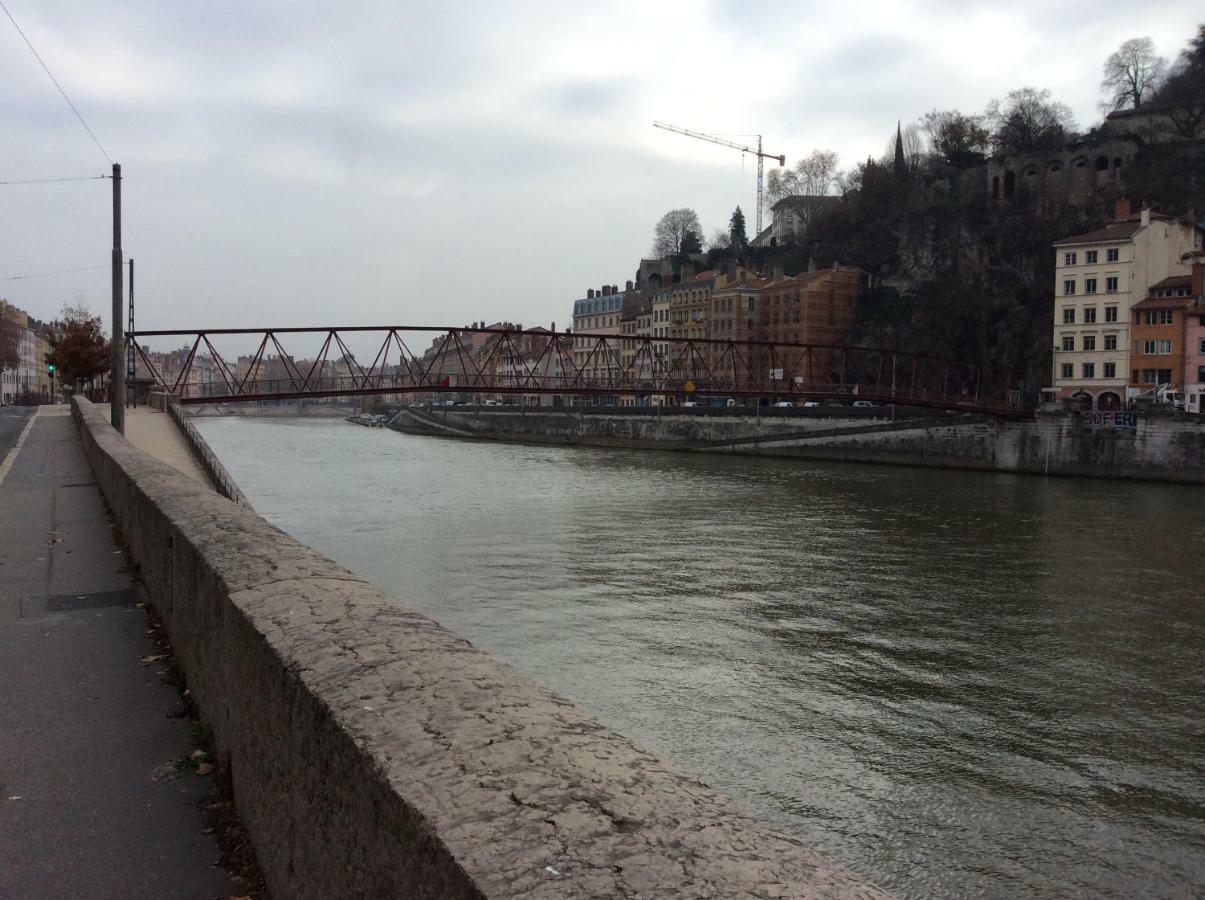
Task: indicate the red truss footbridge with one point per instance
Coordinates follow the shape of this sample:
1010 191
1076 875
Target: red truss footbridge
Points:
233 365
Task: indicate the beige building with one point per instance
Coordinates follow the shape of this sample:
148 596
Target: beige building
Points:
690 305
28 381
1099 277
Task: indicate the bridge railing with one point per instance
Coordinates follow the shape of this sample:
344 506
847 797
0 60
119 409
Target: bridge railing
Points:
500 362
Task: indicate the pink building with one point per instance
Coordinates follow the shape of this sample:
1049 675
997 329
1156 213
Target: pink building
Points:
1194 341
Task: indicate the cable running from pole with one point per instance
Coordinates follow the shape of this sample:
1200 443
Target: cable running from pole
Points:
56 82
45 274
56 180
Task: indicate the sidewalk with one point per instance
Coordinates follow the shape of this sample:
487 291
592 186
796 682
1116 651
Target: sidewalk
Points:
85 728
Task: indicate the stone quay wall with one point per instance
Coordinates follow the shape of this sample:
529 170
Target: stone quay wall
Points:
1163 447
375 754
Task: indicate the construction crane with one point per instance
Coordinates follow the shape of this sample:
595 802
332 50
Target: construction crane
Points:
761 157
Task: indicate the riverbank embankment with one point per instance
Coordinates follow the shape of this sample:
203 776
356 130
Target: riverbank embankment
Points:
374 753
1159 447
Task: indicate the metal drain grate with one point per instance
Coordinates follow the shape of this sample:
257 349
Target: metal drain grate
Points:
56 603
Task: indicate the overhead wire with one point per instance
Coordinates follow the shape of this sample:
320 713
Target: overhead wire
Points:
53 180
46 68
45 274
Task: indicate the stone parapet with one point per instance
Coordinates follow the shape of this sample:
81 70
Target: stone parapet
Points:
375 754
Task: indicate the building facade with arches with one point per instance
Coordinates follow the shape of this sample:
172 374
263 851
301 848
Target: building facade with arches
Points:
1099 278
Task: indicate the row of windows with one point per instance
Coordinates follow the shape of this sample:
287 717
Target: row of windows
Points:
1154 348
597 322
1071 257
1088 370
1090 285
1152 376
1155 317
1089 342
1089 314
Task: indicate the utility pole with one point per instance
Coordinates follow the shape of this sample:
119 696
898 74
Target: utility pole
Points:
117 370
131 366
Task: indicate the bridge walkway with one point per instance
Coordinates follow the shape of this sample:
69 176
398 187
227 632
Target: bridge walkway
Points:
90 802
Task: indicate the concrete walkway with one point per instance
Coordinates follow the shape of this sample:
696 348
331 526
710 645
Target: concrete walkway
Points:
155 433
86 729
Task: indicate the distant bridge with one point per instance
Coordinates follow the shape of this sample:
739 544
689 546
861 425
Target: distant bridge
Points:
577 367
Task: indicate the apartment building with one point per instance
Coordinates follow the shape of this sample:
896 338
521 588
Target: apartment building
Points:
28 381
1099 277
735 306
689 304
1157 355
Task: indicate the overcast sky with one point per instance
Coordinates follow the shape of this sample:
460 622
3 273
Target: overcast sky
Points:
370 162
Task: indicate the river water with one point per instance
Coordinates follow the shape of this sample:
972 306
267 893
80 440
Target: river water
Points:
956 684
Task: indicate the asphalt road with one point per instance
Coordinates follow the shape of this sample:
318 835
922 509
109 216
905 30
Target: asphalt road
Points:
12 421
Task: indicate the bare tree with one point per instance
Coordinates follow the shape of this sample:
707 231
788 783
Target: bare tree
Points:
1028 120
813 176
720 239
1132 73
678 231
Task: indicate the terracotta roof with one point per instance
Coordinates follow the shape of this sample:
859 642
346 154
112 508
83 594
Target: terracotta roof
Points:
1173 281
751 282
702 276
1114 231
1164 303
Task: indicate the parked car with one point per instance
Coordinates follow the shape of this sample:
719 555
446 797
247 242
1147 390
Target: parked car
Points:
809 403
863 404
692 403
784 404
492 403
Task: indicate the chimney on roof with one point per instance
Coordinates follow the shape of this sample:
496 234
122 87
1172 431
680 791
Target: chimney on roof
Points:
614 289
629 285
1145 220
590 294
1121 211
776 273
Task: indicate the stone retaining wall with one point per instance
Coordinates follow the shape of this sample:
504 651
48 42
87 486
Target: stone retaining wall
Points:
375 754
1163 447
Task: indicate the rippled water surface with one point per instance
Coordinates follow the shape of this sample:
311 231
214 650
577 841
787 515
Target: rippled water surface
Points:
957 684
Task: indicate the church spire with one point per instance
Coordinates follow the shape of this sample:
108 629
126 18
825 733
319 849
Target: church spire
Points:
901 169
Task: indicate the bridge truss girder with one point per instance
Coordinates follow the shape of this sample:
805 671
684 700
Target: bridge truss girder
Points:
483 361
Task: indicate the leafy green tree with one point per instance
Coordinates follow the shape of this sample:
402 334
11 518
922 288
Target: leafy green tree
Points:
957 139
1182 95
78 349
692 242
737 239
